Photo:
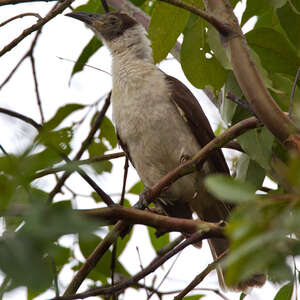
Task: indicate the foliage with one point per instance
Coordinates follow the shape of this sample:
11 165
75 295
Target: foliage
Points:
264 228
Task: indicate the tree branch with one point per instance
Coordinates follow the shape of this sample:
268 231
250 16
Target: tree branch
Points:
170 177
199 278
83 147
157 262
8 2
135 216
248 76
39 24
70 166
216 22
28 120
20 16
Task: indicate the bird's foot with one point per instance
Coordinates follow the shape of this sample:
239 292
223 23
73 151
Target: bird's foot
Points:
143 199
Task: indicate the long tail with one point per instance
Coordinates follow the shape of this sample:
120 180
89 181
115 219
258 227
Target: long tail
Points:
215 212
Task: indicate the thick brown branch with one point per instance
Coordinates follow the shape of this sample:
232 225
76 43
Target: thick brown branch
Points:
220 26
134 216
248 76
173 175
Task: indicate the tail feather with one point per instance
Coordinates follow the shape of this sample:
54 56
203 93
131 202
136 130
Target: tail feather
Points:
213 210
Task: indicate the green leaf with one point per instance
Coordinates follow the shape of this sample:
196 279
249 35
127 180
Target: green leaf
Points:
290 22
91 6
278 3
166 23
96 148
255 8
275 52
122 243
250 171
158 242
61 114
198 62
283 86
87 244
243 296
214 41
194 297
137 188
257 143
226 188
285 293
102 166
94 44
228 107
91 48
108 132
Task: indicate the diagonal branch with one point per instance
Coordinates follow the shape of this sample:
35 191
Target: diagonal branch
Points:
156 263
83 147
170 177
39 24
199 277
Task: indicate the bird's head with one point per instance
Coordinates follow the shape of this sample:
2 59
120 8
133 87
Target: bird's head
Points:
119 32
108 26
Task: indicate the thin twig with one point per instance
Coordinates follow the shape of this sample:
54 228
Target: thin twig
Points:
113 266
83 147
69 166
36 85
199 278
85 65
28 120
293 93
53 13
156 263
105 6
240 102
20 16
142 268
8 2
124 181
166 275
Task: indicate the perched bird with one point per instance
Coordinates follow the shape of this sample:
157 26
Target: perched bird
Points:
160 124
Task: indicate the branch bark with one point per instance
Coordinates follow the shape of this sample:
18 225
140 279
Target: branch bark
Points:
135 216
221 16
170 177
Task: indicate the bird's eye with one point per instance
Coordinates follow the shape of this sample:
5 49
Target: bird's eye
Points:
113 20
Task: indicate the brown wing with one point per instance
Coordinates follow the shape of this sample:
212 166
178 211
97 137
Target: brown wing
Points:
124 147
193 114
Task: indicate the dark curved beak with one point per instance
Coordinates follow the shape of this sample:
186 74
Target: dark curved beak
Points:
88 18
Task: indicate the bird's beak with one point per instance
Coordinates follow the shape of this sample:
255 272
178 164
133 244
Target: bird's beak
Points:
88 18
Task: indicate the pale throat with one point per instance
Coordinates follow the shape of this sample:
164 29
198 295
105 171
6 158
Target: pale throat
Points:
132 45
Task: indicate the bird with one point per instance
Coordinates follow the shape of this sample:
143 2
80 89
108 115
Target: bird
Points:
160 124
